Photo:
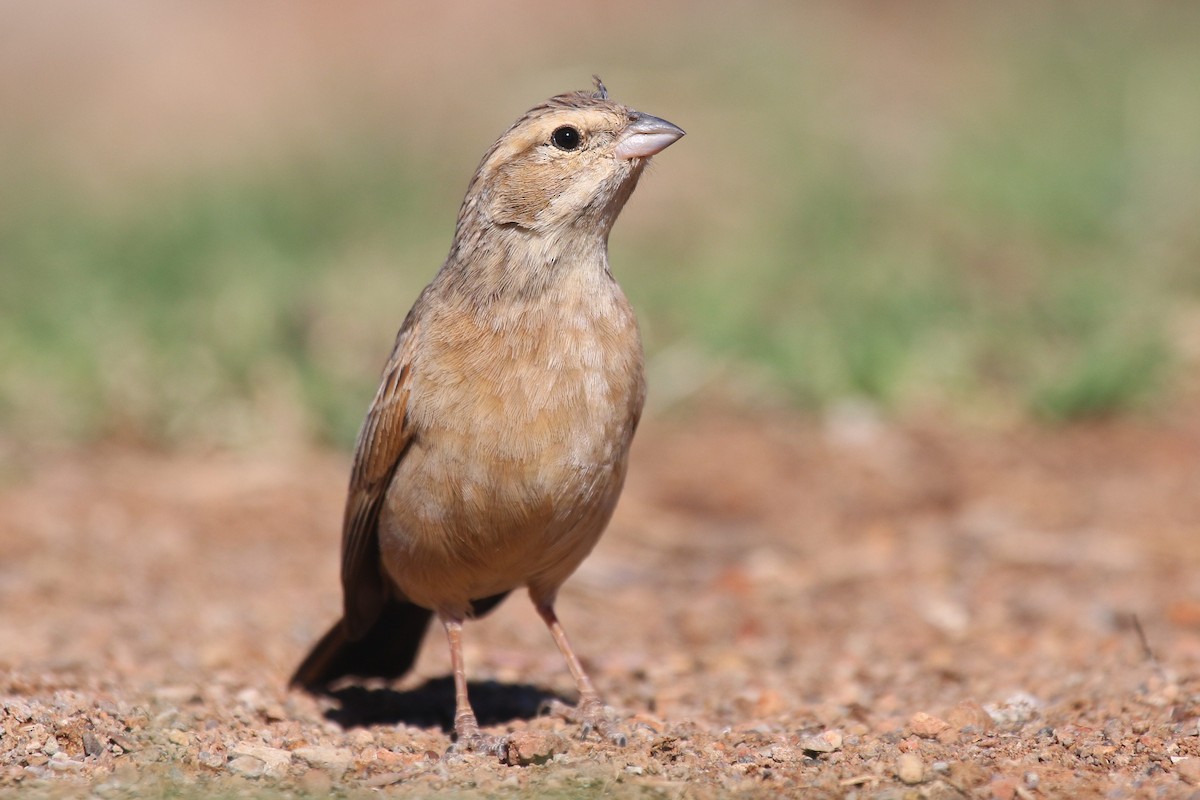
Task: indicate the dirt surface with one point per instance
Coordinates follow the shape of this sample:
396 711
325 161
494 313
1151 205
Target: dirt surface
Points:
779 607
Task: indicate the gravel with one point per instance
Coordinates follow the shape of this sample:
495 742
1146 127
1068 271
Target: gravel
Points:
825 619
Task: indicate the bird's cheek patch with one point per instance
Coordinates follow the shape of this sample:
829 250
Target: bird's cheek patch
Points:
521 196
516 204
516 210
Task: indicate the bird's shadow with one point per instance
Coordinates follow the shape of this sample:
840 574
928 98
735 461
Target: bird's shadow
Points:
432 704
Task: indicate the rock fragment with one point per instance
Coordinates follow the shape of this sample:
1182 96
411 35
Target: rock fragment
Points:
334 759
910 769
927 726
275 761
824 742
524 748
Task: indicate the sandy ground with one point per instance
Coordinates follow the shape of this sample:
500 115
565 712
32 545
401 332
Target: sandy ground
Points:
849 609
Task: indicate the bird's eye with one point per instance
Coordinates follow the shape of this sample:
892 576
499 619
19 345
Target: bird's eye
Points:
565 138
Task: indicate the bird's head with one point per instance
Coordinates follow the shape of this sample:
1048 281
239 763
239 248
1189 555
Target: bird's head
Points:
567 166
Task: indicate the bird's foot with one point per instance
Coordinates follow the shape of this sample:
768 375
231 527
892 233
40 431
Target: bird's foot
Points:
592 716
469 739
483 743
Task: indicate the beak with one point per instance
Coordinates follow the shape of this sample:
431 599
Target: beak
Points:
645 136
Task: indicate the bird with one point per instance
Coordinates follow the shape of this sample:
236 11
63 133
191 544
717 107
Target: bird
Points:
494 451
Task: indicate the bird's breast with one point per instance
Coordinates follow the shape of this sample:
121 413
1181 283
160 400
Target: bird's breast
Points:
531 382
523 413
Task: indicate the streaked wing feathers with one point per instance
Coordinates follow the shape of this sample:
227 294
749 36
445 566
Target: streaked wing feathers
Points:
384 437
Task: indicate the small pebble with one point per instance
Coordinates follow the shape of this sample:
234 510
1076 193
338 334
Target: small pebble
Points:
1015 710
18 710
910 769
524 748
926 726
60 762
335 759
274 712
275 761
122 741
969 714
92 746
247 766
824 742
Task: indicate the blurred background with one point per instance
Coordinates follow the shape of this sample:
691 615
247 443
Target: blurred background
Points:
214 216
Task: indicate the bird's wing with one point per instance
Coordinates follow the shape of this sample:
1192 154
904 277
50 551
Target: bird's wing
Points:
385 436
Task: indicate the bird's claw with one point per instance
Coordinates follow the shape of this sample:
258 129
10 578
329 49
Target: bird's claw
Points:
592 716
477 742
469 739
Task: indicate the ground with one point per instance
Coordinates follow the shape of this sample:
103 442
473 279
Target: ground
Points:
851 608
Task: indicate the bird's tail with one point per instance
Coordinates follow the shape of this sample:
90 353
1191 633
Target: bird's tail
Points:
387 650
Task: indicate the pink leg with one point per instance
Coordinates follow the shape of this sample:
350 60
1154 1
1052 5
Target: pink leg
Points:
589 711
466 726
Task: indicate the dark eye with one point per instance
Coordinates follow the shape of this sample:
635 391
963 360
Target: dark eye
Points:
565 138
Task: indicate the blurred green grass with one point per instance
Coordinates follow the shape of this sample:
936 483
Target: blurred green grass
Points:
1010 229
209 306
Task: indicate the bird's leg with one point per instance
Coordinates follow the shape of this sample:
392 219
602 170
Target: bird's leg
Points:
590 711
467 735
